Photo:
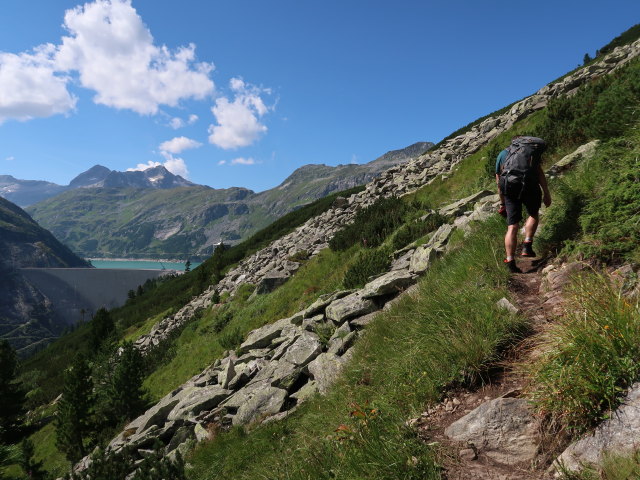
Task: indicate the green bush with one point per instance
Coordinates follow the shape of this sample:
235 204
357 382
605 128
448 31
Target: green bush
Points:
371 225
410 232
367 264
591 357
231 339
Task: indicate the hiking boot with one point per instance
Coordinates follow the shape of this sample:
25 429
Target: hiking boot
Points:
511 265
527 249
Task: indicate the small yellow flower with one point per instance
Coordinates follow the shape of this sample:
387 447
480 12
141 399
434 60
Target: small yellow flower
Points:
606 327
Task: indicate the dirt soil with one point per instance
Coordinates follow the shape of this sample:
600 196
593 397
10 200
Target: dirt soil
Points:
463 462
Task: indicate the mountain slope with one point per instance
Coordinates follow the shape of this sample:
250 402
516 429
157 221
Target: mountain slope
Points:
26 317
143 214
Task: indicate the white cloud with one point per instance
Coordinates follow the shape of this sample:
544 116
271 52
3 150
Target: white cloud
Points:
238 120
175 165
30 87
222 162
177 122
113 52
243 161
179 144
10 159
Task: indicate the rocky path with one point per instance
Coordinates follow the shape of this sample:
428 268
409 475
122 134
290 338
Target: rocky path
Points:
488 432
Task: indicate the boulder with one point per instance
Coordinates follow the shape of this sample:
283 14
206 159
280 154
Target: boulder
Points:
391 282
348 307
440 237
461 206
272 280
583 152
306 347
503 429
227 374
262 337
619 435
264 403
197 400
421 259
325 370
308 390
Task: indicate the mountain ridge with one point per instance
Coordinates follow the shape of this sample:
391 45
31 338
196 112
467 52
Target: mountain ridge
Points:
188 220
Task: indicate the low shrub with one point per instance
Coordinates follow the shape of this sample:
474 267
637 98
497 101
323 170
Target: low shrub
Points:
367 264
231 339
590 358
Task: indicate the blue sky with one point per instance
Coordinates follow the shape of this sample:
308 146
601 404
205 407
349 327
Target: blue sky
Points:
242 92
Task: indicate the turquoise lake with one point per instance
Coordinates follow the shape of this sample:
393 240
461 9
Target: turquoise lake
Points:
141 264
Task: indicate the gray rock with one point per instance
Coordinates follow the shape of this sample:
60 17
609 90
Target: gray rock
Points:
325 370
266 402
272 280
306 347
440 237
156 415
618 435
348 307
460 206
197 400
421 259
227 374
584 152
308 390
363 321
323 301
503 429
263 336
339 345
505 304
391 282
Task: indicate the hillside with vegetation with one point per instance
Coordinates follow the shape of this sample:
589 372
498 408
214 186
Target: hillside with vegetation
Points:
408 355
106 214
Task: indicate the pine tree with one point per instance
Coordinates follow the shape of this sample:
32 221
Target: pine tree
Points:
74 410
12 395
587 58
102 329
30 466
187 266
125 395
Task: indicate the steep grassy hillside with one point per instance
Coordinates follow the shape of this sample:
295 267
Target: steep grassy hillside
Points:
447 333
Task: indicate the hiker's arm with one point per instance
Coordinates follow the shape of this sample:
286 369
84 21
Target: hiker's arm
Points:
542 179
499 192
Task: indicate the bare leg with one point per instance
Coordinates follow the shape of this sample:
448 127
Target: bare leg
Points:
530 226
511 240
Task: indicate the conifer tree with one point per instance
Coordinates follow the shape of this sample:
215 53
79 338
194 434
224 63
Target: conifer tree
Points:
102 329
125 395
12 395
74 410
30 466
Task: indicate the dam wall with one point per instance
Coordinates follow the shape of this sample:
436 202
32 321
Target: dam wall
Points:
72 290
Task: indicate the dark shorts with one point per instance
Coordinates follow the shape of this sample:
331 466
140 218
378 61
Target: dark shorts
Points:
532 201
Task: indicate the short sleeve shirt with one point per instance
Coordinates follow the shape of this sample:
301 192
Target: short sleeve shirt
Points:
501 156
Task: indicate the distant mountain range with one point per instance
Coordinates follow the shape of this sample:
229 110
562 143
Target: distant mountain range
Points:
26 315
155 214
28 192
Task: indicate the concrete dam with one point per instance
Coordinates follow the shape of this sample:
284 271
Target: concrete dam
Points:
74 290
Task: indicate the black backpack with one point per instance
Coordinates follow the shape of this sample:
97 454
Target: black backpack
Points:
519 169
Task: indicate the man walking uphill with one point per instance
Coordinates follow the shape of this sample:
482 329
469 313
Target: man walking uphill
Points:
520 179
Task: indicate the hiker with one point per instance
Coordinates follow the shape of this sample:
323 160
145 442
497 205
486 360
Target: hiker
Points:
520 178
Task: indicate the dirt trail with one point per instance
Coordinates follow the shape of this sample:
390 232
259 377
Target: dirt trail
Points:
504 380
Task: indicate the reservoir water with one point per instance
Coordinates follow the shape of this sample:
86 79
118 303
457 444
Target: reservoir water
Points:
142 264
